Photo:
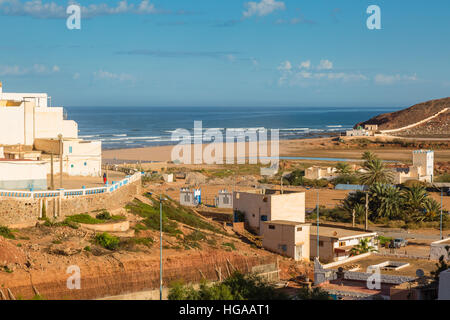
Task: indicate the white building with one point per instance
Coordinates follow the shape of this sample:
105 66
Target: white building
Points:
258 208
422 168
444 285
317 173
288 238
335 244
23 175
28 122
224 199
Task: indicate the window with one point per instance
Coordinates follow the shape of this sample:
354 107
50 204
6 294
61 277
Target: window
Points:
282 247
272 227
320 243
71 165
85 164
187 197
299 229
263 218
253 215
226 200
70 149
342 244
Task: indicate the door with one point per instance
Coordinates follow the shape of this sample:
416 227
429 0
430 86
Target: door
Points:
298 252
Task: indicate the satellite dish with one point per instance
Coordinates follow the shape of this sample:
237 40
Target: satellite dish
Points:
420 273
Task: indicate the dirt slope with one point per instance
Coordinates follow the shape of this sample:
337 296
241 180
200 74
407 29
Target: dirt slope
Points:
408 116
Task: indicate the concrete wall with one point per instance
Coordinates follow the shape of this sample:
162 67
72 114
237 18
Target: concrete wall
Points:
444 285
21 213
290 207
23 124
438 249
295 238
23 175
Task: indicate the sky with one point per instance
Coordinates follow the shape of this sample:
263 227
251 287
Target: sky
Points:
233 53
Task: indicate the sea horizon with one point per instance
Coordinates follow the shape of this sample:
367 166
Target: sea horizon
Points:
138 127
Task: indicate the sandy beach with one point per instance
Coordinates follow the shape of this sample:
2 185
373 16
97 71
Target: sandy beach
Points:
314 147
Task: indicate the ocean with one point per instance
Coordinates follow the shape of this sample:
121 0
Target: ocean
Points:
133 127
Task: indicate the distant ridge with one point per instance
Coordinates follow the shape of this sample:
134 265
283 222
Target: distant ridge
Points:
409 116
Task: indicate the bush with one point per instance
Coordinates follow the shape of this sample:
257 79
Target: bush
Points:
237 287
107 241
229 245
5 232
104 215
83 218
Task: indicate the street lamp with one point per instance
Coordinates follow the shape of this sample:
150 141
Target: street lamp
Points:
318 222
161 199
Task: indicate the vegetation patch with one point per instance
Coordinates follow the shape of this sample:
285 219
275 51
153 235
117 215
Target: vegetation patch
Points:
107 241
5 232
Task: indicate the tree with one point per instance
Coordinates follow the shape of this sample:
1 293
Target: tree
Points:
415 198
362 247
343 168
385 201
375 171
368 156
237 287
313 294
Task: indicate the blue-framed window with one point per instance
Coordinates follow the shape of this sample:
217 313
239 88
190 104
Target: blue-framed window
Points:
264 218
70 149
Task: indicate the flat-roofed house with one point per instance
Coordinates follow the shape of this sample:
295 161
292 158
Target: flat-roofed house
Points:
258 208
22 175
335 244
288 238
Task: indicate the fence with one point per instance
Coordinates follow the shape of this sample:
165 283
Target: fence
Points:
61 193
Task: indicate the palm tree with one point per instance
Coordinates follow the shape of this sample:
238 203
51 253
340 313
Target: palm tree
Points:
362 247
343 168
415 200
375 171
386 201
368 156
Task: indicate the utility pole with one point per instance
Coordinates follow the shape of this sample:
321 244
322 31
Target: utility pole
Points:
318 222
60 160
442 199
367 211
160 249
353 218
52 172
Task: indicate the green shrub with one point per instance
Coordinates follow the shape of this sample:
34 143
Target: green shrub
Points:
5 232
107 241
104 215
229 245
83 218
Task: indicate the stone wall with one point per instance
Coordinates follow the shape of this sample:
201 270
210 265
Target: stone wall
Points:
23 213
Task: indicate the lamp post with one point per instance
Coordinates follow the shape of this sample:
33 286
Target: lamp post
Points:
442 199
160 248
318 224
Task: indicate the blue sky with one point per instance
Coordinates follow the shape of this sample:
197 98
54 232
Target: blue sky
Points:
227 52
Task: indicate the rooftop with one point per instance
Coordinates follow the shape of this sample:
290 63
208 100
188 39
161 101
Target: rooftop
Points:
286 222
339 233
426 265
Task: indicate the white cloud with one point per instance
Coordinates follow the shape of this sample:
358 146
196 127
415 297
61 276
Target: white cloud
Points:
306 74
54 10
101 74
383 79
325 65
262 8
285 66
36 69
305 64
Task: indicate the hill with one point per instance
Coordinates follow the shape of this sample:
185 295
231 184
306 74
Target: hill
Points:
409 116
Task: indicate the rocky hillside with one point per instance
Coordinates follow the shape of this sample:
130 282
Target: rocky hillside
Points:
408 116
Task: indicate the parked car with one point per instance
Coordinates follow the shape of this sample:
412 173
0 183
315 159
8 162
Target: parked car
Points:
399 242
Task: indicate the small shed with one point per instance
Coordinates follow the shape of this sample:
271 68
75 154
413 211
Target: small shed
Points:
224 199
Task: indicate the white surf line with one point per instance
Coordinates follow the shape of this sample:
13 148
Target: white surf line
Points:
417 123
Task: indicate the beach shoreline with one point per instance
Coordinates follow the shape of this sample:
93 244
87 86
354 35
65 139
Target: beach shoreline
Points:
308 148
